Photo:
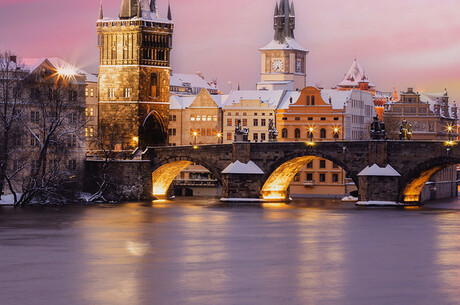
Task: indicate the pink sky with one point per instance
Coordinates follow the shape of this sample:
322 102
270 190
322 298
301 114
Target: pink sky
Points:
398 42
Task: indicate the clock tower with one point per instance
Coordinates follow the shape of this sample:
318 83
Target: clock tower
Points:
134 73
283 59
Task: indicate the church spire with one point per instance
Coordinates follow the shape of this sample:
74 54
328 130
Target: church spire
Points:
101 12
292 13
276 9
169 11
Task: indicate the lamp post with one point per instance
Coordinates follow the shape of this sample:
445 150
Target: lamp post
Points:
310 133
195 134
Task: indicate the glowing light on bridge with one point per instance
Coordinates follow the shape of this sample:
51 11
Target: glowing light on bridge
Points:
275 188
165 175
413 189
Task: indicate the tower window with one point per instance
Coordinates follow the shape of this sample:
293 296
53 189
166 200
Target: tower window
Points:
127 93
154 92
111 92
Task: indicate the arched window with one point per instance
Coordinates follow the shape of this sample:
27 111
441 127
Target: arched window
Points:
312 100
308 100
322 133
336 135
297 133
284 133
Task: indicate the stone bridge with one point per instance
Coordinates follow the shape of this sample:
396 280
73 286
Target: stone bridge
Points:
383 171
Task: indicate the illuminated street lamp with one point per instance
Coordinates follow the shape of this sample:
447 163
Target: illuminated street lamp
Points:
195 134
336 133
219 137
310 133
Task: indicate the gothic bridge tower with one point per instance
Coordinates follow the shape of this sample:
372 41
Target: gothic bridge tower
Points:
283 59
134 73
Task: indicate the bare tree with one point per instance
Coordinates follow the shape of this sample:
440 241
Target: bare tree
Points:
107 144
53 120
11 76
392 125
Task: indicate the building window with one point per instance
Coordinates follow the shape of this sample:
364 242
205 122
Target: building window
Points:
263 122
310 164
73 118
209 118
86 92
336 119
336 135
92 92
33 141
310 118
255 137
309 177
229 136
322 177
229 122
244 113
284 133
198 117
308 100
245 122
322 133
297 133
297 118
127 93
312 100
335 177
214 118
284 118
35 116
72 165
256 122
262 137
323 119
72 141
322 163
111 92
297 177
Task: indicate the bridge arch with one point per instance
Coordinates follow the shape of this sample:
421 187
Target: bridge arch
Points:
167 170
412 184
277 180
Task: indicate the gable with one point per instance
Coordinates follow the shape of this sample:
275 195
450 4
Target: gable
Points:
204 100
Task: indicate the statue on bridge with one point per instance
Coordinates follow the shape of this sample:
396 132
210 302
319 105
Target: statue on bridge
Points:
405 131
272 132
241 134
378 131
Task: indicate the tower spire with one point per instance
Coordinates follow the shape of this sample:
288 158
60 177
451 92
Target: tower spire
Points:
139 9
292 13
276 9
128 9
101 12
169 11
153 6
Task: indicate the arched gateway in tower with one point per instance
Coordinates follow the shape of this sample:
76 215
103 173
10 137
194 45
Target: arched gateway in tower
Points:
134 74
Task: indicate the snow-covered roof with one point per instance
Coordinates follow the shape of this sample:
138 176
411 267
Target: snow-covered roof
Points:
181 102
376 170
337 98
219 99
265 96
286 100
91 78
289 44
238 167
354 76
190 80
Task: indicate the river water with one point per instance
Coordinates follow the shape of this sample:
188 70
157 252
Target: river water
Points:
197 251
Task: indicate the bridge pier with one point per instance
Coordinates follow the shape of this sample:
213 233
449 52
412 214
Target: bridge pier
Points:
378 186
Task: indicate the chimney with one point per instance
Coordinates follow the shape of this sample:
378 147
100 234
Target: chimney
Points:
14 58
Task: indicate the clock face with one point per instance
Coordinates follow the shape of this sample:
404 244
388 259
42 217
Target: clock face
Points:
299 66
278 65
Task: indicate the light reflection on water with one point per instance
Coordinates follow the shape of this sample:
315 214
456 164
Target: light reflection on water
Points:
204 252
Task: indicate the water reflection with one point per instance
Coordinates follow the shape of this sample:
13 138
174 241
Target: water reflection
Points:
203 252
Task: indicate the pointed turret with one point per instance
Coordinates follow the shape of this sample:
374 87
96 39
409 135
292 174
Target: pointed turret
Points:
153 6
277 11
139 9
128 9
169 11
292 13
284 21
101 12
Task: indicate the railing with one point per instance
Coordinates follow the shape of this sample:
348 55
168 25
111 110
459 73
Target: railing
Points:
194 182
